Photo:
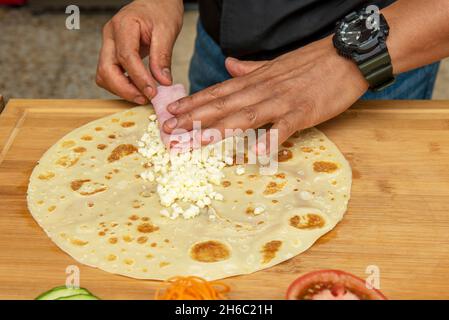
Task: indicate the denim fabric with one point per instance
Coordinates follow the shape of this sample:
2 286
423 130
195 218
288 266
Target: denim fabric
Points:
207 68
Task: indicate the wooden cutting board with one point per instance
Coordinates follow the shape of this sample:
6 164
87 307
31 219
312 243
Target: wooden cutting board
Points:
397 222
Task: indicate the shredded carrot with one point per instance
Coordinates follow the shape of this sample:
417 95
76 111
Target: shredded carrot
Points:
193 288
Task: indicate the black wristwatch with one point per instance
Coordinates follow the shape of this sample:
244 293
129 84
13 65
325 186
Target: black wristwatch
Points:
361 36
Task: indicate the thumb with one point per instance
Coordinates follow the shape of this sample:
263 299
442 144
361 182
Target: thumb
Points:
161 49
238 68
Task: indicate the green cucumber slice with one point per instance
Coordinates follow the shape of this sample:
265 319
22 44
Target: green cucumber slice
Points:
62 291
79 297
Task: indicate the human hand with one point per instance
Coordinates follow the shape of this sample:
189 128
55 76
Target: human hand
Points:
294 91
142 28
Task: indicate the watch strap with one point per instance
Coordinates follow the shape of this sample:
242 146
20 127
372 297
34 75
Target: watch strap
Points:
378 71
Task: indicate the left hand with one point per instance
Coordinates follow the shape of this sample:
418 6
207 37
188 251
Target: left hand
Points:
295 91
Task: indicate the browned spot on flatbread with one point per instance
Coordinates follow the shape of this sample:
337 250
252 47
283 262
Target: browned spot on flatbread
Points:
101 233
68 144
287 144
249 192
121 151
308 221
249 211
127 238
78 242
280 175
226 183
134 217
79 149
101 146
137 204
127 124
147 227
67 161
142 240
51 208
325 166
128 261
209 251
114 120
98 129
46 175
86 188
113 240
284 155
307 149
112 136
86 137
273 187
163 264
111 257
269 250
147 165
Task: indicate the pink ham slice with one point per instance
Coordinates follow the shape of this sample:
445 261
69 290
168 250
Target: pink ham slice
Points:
178 141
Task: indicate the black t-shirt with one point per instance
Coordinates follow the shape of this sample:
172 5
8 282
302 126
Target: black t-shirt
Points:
264 29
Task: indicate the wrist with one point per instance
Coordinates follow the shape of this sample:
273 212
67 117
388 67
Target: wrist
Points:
351 72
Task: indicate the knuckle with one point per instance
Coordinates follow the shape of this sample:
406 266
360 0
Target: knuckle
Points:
220 104
114 22
186 118
106 28
277 89
214 91
165 57
124 56
249 114
286 125
186 101
99 80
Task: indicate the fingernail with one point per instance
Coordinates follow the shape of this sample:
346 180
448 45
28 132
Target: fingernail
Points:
167 73
140 100
171 123
173 107
148 91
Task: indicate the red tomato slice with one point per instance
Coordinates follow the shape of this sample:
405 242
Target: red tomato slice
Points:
331 285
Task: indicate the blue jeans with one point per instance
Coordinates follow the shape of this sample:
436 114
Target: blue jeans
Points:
207 68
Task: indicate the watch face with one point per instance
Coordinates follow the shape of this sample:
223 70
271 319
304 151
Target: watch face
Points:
355 33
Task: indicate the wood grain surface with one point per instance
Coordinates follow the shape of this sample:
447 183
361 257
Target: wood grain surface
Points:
397 221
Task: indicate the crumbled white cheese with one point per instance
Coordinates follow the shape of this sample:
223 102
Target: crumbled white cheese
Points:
187 177
259 210
240 170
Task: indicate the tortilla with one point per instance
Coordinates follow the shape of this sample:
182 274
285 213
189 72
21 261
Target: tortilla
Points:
86 193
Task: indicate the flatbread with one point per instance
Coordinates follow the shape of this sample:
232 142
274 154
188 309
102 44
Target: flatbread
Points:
87 195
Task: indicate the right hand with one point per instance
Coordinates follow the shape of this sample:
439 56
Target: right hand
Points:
142 28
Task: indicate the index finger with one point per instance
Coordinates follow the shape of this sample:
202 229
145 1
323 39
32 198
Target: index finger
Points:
207 95
127 37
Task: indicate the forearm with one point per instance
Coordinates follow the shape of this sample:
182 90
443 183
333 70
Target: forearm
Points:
419 32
